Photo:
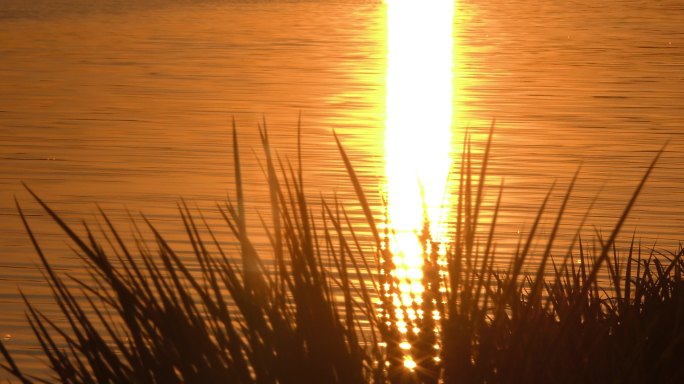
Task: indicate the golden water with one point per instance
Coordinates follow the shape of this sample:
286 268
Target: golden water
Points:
128 103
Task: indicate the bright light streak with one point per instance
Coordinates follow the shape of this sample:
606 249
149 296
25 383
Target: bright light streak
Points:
418 126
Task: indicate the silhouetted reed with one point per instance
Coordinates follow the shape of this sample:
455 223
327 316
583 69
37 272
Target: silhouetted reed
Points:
318 308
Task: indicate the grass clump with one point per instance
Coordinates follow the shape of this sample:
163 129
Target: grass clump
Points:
318 308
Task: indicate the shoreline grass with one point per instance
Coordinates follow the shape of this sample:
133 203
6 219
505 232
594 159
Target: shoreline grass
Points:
321 311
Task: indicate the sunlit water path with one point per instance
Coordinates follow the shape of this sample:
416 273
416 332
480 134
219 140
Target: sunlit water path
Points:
418 137
129 103
418 125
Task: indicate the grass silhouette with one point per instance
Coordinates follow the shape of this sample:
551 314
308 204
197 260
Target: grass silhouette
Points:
321 309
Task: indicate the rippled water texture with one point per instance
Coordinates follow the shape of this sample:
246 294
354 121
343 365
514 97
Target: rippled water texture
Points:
129 104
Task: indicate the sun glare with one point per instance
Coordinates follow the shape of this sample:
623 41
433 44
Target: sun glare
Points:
417 128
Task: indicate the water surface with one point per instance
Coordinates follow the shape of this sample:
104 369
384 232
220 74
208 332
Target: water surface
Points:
130 105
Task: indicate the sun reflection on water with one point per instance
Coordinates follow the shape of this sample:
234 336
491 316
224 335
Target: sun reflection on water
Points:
418 125
417 139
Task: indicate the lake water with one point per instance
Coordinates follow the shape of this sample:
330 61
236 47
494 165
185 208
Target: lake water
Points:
129 104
